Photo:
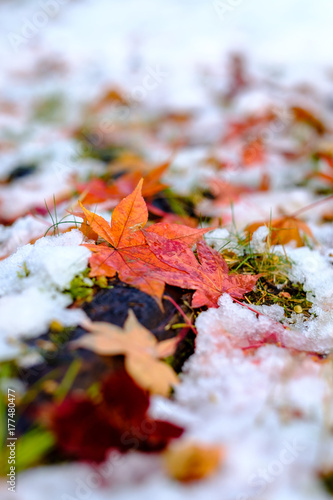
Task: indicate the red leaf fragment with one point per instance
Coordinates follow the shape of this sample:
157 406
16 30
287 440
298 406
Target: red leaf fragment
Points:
87 430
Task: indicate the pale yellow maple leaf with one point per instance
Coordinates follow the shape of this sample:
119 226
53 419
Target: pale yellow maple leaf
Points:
141 349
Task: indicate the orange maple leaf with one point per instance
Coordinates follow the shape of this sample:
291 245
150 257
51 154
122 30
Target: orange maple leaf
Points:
125 250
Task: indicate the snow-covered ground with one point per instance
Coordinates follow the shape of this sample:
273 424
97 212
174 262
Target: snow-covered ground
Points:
271 411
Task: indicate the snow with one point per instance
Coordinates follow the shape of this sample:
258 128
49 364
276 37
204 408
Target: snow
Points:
222 238
258 241
271 409
21 232
28 304
247 403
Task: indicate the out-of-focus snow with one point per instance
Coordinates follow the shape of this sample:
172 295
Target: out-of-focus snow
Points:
270 409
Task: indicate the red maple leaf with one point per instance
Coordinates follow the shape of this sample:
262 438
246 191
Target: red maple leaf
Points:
209 277
120 421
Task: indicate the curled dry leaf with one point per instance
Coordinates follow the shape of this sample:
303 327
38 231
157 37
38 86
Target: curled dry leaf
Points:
187 461
141 350
303 115
284 230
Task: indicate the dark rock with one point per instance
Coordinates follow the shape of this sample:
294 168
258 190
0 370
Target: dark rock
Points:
112 305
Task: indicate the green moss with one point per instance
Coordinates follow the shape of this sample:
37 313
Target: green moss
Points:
59 334
83 288
274 285
292 298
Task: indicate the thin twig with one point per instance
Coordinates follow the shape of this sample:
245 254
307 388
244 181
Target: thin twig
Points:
308 207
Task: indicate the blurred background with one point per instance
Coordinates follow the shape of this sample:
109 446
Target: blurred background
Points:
237 95
109 68
109 39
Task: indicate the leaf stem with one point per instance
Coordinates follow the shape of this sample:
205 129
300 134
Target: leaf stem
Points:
253 310
179 309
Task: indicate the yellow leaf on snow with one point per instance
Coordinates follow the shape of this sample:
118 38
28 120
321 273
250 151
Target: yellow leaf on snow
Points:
189 461
141 350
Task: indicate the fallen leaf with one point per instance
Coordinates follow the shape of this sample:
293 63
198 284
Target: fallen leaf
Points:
119 420
191 461
99 191
253 153
111 97
141 350
209 277
283 230
126 251
252 124
224 193
304 116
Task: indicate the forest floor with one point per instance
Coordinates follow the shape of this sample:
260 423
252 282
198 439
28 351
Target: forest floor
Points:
166 279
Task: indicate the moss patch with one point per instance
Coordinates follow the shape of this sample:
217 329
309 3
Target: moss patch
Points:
274 285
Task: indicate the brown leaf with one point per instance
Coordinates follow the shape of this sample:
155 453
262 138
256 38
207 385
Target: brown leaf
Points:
112 96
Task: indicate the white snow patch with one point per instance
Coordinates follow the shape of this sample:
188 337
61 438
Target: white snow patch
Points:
29 303
258 241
